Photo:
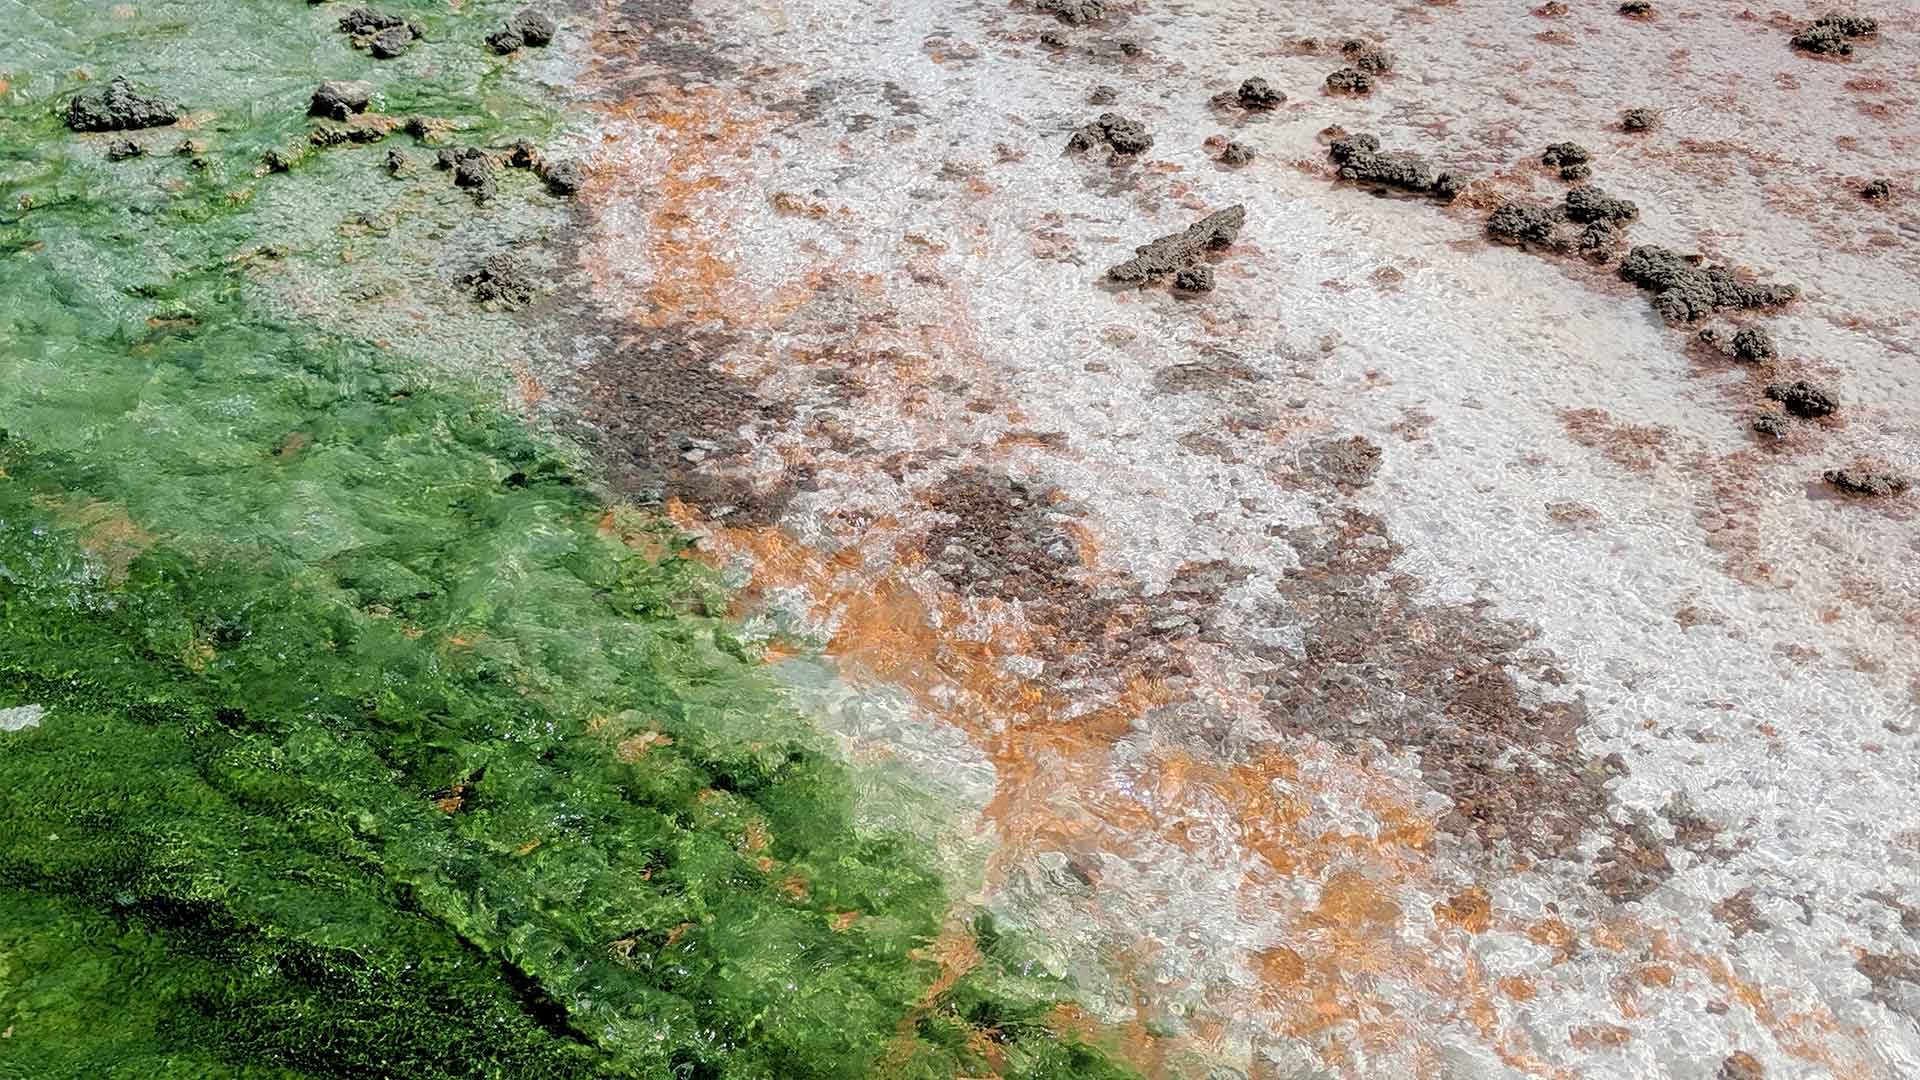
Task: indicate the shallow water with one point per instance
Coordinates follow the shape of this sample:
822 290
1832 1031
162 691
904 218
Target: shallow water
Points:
830 633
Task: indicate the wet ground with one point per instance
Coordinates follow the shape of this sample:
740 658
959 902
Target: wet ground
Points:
1402 660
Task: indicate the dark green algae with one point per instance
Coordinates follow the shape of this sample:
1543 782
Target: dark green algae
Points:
367 749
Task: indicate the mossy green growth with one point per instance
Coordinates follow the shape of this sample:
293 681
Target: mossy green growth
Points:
367 749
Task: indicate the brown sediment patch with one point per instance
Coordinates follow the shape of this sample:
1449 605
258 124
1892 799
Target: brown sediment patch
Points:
1631 446
106 531
1438 680
1896 981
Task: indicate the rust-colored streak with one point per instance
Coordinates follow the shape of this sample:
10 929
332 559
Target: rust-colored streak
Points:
1469 909
1057 790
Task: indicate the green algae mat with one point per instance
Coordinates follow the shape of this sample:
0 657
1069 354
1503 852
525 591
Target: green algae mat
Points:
339 734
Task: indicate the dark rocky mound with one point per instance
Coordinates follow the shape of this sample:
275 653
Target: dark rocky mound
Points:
1803 399
362 22
1194 279
122 149
1772 425
522 155
1566 153
1637 9
1103 95
1753 345
119 108
1176 251
1831 34
388 44
1360 159
1877 190
1367 56
1256 94
1234 153
1588 203
1073 12
1639 120
1575 173
1121 135
1599 239
398 163
1685 291
503 280
471 170
1518 223
339 100
385 35
1870 482
563 177
526 27
1350 80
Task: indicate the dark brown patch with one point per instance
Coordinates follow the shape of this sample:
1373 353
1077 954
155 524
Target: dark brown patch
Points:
1435 679
1633 865
1574 513
661 40
1741 1065
1738 914
1344 463
1014 540
674 425
1630 446
1213 374
1590 1036
1896 981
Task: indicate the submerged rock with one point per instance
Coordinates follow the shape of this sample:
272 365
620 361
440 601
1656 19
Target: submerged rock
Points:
526 27
1350 80
1771 425
1685 291
339 100
1174 252
1360 158
503 280
388 44
1753 344
1517 223
1831 34
1588 203
1235 153
476 175
1599 239
363 21
1803 399
1195 279
1367 56
119 108
471 169
122 149
1120 134
1870 482
1256 94
1073 12
398 163
563 177
1565 153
